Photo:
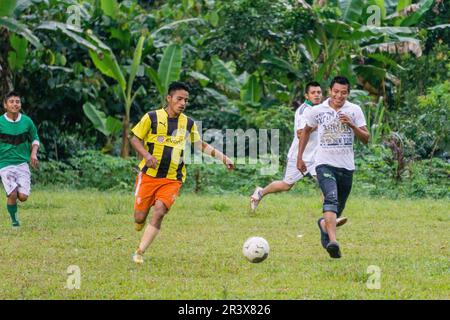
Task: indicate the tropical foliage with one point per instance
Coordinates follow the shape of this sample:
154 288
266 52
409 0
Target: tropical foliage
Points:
89 69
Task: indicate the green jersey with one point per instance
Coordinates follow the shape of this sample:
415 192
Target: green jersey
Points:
16 138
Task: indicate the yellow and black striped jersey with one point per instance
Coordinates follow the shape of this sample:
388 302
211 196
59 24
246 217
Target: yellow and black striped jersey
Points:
165 138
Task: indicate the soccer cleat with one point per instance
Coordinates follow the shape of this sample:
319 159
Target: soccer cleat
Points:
138 257
16 224
256 198
334 250
139 226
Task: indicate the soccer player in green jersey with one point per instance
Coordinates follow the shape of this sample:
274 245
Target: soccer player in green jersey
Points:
19 144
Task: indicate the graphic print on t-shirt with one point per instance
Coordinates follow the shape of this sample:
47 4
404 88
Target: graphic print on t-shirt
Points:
334 136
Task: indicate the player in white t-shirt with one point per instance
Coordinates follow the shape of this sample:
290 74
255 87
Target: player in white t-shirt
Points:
338 122
313 96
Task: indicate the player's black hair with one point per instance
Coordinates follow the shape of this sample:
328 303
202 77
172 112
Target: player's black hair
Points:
174 86
311 84
340 80
10 94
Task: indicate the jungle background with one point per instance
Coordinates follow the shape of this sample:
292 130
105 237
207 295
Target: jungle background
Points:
88 70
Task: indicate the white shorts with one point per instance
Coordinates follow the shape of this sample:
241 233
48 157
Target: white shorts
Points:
16 177
292 174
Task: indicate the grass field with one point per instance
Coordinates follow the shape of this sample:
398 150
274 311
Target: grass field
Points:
198 253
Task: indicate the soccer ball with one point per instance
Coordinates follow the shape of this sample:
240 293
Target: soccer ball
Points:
255 249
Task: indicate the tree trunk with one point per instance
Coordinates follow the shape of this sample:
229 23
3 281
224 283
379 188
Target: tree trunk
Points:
6 76
198 181
125 152
432 154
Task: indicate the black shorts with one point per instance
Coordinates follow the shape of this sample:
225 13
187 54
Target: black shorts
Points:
336 184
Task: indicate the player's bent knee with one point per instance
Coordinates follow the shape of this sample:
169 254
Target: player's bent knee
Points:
160 207
139 217
160 213
288 186
22 197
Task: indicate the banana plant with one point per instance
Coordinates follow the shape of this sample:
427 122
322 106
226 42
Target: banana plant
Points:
17 56
168 70
230 89
108 126
18 35
8 11
348 46
106 63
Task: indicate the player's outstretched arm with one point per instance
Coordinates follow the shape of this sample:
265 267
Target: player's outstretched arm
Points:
211 151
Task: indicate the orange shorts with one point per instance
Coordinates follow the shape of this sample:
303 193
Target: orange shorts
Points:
149 189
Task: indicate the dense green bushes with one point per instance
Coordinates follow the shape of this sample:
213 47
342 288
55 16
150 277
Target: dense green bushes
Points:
88 169
376 176
246 62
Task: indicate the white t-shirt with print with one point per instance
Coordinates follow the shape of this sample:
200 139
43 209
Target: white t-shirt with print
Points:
299 123
335 146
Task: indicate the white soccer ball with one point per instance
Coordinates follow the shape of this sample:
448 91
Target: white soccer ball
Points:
256 249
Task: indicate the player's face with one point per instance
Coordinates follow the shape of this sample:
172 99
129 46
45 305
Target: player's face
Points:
314 95
339 94
178 100
13 105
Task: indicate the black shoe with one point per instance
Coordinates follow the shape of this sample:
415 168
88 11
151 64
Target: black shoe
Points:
333 250
324 239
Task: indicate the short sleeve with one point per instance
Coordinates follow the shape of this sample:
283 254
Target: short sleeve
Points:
360 120
142 128
302 120
297 120
195 136
310 119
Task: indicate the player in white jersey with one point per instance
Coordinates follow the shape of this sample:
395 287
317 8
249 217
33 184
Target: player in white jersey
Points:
313 97
338 123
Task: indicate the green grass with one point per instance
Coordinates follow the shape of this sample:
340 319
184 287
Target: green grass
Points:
198 253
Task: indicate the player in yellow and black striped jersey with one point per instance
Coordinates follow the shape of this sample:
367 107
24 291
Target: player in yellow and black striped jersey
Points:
165 138
160 138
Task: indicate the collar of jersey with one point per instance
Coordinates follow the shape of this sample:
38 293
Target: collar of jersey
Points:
168 117
11 120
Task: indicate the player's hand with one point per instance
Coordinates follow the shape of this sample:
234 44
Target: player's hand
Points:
229 164
151 161
34 160
345 119
301 166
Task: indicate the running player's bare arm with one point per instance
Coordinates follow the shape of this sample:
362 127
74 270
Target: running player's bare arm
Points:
360 132
213 152
138 145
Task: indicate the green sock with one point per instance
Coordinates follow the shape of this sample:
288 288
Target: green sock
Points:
12 210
